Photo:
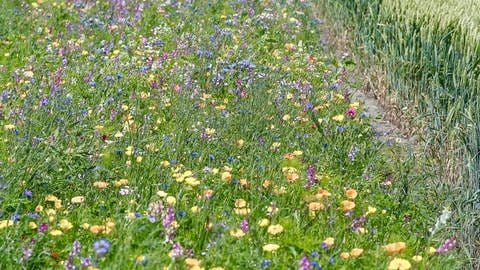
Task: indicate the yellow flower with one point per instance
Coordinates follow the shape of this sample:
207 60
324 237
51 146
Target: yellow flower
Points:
347 205
329 241
100 184
344 255
399 264
140 259
351 193
56 232
263 222
39 208
417 258
275 229
240 142
240 203
237 233
226 176
171 200
195 209
431 250
121 182
78 199
270 247
5 223
191 181
65 225
338 118
85 226
9 127
371 210
51 198
209 131
286 117
32 225
162 194
395 248
242 211
191 262
356 252
276 145
165 163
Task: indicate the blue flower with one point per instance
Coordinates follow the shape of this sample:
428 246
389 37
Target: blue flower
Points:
101 247
265 263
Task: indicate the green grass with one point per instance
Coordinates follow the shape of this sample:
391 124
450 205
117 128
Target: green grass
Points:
164 131
430 52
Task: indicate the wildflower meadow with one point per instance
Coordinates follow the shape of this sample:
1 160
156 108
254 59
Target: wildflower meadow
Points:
199 135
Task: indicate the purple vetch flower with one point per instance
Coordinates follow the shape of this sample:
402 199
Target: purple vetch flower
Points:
352 153
244 225
358 222
304 263
177 250
168 217
27 250
75 249
101 247
311 177
447 245
85 261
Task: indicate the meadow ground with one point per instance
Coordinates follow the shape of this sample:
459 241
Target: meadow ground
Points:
198 135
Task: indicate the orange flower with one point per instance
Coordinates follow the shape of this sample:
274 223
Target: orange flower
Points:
395 248
292 176
347 205
322 193
356 252
315 206
351 193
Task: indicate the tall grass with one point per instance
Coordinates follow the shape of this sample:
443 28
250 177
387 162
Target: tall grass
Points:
430 51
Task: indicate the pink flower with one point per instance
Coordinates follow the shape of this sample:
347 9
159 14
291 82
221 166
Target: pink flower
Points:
351 112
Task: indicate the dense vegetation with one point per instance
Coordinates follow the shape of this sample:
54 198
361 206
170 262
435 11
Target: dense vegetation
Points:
430 51
199 135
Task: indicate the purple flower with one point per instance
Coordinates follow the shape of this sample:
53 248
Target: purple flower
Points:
101 247
304 263
168 217
43 227
352 153
447 245
75 249
27 193
311 177
351 112
15 217
358 222
177 250
85 261
244 225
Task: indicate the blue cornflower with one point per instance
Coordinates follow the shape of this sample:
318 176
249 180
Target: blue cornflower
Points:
101 247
